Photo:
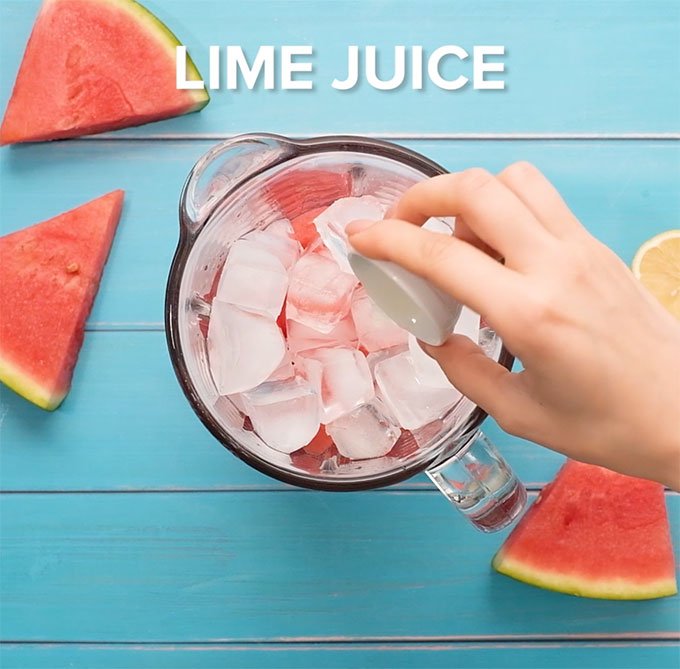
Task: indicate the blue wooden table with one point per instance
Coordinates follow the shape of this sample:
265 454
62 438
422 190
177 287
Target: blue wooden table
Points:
130 538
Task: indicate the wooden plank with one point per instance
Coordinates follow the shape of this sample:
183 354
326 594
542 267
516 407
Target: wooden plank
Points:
626 655
605 67
126 425
297 566
623 191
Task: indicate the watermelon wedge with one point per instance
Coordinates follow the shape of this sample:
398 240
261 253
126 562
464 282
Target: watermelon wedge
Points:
594 533
95 65
49 275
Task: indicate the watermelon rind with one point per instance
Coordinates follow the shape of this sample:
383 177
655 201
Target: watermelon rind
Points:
534 552
54 264
616 588
28 388
166 38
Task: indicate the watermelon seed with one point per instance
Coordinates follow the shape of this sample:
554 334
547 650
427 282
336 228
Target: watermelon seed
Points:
72 267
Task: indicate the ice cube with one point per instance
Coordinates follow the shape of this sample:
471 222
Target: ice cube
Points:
443 225
277 239
468 324
237 401
229 410
489 342
332 222
340 376
428 370
302 338
319 293
243 348
253 278
425 434
285 370
375 330
281 227
365 432
374 358
285 414
411 402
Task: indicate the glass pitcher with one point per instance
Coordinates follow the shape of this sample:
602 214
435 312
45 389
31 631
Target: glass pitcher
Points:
226 196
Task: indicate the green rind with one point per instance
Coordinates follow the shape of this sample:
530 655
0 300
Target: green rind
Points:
571 584
28 388
167 39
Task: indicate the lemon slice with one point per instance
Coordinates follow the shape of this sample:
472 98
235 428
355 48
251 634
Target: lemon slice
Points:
657 266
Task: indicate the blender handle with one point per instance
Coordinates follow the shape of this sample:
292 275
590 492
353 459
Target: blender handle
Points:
223 168
480 484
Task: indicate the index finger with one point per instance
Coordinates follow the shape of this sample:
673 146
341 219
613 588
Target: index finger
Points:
490 209
456 267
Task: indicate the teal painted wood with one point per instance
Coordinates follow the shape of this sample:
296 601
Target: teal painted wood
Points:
623 191
278 567
637 655
66 174
608 66
126 425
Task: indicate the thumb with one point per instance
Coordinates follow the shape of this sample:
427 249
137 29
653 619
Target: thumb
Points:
484 381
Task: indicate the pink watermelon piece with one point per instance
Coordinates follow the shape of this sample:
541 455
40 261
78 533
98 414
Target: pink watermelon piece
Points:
49 276
405 446
281 320
297 192
312 462
594 533
320 443
304 229
92 66
306 462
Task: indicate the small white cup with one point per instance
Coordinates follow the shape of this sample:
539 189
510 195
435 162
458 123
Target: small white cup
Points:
409 300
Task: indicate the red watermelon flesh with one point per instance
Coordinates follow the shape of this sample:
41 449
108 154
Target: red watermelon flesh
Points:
320 443
49 275
594 533
313 462
95 65
304 229
298 191
405 446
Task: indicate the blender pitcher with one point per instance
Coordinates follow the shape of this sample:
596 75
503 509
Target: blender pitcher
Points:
228 194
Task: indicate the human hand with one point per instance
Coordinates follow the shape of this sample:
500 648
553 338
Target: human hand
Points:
601 357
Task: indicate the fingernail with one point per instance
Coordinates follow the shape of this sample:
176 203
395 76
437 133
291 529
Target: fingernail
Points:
358 226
